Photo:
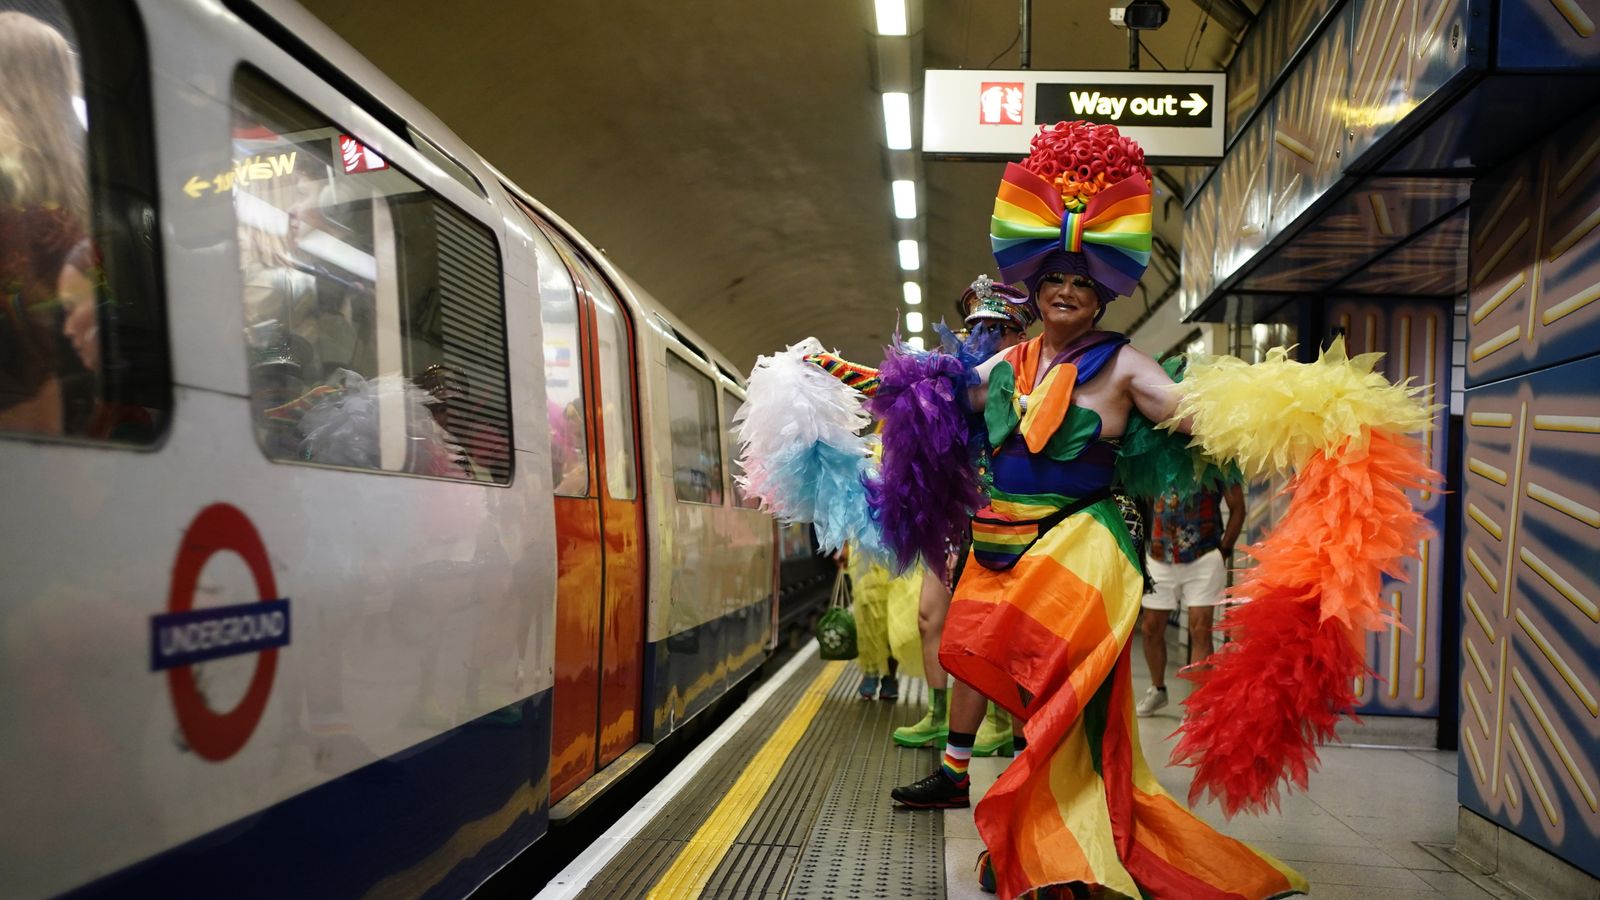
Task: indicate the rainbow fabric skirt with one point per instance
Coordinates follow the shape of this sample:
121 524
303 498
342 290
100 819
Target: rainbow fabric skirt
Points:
1048 639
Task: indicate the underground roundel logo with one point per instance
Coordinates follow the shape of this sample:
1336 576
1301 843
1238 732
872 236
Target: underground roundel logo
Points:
184 636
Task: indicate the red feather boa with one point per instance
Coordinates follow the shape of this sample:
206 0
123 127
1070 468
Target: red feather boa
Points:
1262 705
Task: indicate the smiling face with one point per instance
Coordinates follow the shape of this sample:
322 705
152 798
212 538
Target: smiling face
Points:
1068 303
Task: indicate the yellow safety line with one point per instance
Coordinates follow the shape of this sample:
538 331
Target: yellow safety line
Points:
699 857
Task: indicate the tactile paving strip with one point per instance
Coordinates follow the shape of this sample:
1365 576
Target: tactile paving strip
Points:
826 828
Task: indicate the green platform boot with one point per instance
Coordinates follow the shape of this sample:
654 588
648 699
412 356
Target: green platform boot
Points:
934 727
994 735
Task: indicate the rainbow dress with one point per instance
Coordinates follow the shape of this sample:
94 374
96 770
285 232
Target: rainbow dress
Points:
1040 623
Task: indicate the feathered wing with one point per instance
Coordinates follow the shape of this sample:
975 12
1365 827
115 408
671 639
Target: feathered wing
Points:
928 487
1262 705
801 444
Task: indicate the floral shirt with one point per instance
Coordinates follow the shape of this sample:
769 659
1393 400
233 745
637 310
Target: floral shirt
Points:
1183 532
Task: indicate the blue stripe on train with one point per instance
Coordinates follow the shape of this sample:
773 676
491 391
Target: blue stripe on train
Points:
384 821
679 670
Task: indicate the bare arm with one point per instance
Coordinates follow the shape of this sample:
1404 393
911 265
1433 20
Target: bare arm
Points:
1230 532
1150 388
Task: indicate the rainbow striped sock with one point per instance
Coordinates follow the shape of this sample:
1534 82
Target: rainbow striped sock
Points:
955 762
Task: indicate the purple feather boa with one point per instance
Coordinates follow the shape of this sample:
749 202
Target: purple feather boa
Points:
927 489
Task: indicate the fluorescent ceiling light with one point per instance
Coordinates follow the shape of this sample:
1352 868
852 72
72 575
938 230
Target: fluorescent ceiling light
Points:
913 321
891 16
897 120
916 341
913 293
905 199
910 259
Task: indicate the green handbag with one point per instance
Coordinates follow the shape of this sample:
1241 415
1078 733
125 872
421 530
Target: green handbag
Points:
836 630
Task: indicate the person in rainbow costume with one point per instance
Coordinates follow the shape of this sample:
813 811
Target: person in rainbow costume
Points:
1046 603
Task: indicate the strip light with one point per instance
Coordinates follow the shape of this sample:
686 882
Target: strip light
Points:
914 322
916 341
910 258
897 120
905 199
891 17
913 293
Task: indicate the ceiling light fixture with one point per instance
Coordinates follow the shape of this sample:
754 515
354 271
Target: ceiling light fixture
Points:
905 199
910 258
916 341
913 293
897 120
914 322
891 17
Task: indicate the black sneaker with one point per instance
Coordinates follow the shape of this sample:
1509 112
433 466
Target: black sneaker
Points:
889 688
936 791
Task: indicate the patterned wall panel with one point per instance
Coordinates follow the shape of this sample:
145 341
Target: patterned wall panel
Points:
1402 51
1415 341
1530 720
1549 34
1435 264
1242 184
1308 127
1199 251
1364 222
1282 28
1535 257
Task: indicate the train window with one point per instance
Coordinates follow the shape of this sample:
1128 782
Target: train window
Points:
82 336
730 405
373 309
563 375
696 447
616 391
616 382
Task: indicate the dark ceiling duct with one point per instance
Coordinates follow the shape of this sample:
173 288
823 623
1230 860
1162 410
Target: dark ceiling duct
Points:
1233 15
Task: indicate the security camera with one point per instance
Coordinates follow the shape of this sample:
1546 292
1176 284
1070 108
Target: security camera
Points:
1144 15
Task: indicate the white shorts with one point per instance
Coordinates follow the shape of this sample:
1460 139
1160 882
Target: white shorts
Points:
1198 583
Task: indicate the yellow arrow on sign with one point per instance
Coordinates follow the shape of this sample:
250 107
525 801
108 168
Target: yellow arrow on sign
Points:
195 187
1196 104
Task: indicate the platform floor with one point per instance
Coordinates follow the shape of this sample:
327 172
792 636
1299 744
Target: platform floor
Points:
790 799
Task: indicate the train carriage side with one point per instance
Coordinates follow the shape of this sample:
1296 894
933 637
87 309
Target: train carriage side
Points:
708 568
279 620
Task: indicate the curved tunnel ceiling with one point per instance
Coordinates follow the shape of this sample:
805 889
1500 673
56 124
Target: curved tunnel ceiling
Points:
729 156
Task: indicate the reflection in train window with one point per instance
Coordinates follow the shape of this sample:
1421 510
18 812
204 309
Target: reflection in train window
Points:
696 446
563 375
373 310
82 343
730 405
616 389
616 383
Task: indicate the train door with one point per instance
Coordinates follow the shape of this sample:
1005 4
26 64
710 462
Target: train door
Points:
600 617
579 557
622 609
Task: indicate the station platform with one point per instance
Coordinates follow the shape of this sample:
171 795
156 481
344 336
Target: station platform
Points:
789 798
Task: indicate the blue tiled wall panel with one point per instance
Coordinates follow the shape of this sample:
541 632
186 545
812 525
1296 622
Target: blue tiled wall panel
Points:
1548 34
1534 257
1530 645
1415 340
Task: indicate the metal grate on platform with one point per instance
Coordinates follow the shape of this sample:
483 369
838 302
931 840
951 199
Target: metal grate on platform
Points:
861 845
825 828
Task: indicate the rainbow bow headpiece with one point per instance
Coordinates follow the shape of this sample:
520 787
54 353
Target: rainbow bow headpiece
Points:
1112 232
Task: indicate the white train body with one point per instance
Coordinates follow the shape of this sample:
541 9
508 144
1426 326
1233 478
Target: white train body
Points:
391 734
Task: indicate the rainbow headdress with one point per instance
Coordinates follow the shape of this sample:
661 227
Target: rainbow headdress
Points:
1084 189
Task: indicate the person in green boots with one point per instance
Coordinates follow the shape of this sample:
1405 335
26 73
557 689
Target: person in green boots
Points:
931 729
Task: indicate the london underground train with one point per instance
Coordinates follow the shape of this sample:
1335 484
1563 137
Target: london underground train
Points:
361 517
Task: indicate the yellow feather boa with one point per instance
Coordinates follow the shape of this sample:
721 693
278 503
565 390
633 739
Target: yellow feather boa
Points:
1273 416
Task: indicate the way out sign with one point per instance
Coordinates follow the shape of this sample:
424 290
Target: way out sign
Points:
992 114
